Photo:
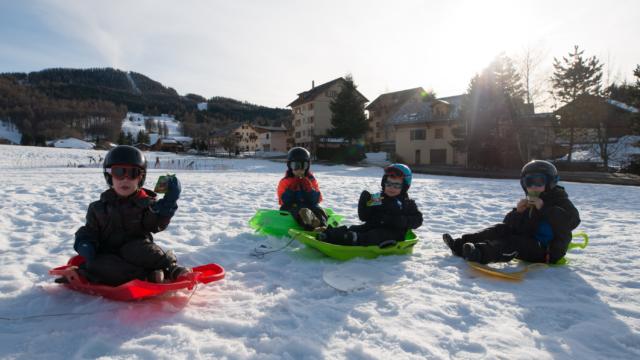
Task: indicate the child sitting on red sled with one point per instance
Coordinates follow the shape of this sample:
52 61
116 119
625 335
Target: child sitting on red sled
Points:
116 241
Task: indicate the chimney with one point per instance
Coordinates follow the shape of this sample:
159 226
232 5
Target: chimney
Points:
313 84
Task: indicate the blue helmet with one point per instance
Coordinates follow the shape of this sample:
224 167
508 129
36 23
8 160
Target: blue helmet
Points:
398 170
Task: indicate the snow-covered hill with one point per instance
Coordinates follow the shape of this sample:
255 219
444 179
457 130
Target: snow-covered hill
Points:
428 305
8 131
133 123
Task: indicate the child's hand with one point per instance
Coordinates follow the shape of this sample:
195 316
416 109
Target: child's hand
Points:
522 205
365 196
173 189
537 202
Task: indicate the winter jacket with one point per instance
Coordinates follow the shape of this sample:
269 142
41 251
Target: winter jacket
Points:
399 212
557 213
113 221
297 193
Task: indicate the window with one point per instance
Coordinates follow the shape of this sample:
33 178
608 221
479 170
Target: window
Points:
297 134
298 122
310 107
418 134
439 134
267 136
311 120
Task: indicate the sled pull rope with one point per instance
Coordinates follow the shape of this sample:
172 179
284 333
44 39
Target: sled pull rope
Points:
258 253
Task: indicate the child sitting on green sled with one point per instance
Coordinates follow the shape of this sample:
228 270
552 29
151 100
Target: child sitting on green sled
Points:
387 215
299 193
537 230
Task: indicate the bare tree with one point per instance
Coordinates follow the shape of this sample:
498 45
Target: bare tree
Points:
534 79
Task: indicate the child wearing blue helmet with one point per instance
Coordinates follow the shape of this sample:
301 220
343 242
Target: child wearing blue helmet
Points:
387 215
538 229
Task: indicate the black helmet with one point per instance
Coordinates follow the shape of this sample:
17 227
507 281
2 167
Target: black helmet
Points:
540 167
299 154
124 155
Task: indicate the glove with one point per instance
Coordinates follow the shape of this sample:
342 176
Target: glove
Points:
167 206
364 196
87 251
173 190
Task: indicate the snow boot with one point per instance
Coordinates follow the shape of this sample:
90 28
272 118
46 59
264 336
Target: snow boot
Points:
176 272
309 219
451 243
156 276
471 252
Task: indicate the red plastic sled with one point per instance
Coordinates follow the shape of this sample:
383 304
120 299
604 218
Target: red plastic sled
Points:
135 289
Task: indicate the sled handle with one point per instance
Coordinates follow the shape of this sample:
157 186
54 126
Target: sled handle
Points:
581 245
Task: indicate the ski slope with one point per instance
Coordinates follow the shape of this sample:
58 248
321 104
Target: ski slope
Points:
428 305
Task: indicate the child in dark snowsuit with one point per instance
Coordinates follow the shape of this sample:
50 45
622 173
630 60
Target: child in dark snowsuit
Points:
299 193
537 230
387 216
116 241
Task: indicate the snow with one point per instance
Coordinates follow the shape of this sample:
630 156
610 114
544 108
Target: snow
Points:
133 123
620 151
72 143
8 131
427 305
377 158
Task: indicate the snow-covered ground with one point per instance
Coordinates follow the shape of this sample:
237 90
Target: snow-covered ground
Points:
619 152
72 143
426 305
377 158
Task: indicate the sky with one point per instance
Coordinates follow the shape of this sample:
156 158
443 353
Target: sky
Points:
266 52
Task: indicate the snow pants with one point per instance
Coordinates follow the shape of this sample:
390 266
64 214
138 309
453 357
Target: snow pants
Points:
498 244
134 260
366 236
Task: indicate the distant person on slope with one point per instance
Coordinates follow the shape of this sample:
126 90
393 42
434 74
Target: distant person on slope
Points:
387 215
299 193
116 241
538 229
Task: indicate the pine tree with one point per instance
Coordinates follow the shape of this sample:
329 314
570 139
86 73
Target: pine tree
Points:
490 112
121 138
574 76
129 139
348 120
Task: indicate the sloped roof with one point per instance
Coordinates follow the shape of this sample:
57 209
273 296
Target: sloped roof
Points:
421 111
588 97
309 95
269 128
397 97
622 106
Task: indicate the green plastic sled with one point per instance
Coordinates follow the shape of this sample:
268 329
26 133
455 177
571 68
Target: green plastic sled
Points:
277 223
342 252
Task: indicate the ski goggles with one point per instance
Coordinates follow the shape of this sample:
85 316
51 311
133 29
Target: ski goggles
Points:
533 180
393 184
298 165
120 172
